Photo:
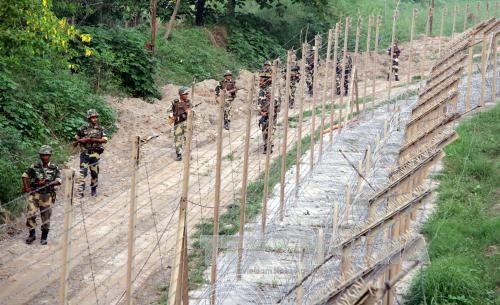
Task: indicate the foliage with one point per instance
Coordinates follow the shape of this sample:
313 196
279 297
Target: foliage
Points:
463 232
118 58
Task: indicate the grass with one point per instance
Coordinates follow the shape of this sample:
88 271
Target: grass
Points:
463 233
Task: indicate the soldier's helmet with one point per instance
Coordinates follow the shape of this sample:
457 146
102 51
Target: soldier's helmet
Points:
183 90
92 113
228 73
45 150
295 68
267 63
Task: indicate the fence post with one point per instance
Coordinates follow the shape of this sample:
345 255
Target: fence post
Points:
367 55
466 15
69 176
178 291
325 90
343 65
132 216
410 52
335 220
494 57
454 21
374 70
270 134
443 15
469 76
393 37
244 181
320 255
334 81
484 55
315 95
285 134
301 118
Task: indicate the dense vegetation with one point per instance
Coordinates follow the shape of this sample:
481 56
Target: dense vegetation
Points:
463 234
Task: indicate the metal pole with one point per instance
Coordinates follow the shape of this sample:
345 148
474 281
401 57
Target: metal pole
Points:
179 281
367 55
315 97
410 51
374 69
325 90
218 165
270 129
132 216
69 176
244 182
334 81
285 133
301 117
342 79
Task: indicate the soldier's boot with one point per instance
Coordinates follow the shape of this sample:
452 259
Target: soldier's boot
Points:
397 78
93 191
31 237
226 125
178 158
43 239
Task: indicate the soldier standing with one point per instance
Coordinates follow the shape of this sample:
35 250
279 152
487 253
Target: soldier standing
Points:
310 71
39 182
395 60
178 113
264 107
229 85
294 80
347 74
91 137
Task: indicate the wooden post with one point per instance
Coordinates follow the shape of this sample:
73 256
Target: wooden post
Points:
368 164
300 289
320 255
469 77
454 21
269 147
494 57
335 220
285 134
367 56
466 15
356 51
394 268
132 216
334 79
360 180
348 206
315 97
178 290
325 90
218 165
244 181
345 266
410 51
484 58
374 69
301 118
343 65
393 37
428 25
154 24
69 176
478 18
443 15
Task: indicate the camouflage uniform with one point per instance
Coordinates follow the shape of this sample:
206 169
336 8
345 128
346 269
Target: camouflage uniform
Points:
41 180
178 110
310 72
230 87
347 73
294 80
395 62
90 155
264 104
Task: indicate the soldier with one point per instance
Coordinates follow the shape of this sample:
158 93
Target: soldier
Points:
347 73
294 80
178 113
39 181
91 137
310 70
229 85
264 105
395 60
265 77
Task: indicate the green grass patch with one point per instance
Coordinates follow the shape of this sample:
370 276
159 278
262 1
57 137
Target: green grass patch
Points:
463 233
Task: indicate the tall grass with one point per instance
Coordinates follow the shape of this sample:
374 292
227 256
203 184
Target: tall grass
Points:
462 235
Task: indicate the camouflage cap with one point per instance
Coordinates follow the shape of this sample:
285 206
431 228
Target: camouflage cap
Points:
267 63
227 73
45 150
183 90
92 113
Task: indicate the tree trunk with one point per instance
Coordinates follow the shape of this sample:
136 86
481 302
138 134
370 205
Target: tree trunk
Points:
200 11
231 4
172 19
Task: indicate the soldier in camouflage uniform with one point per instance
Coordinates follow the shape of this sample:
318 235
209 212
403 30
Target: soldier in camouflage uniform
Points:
229 85
265 77
39 181
264 105
310 71
294 80
347 73
395 61
178 113
91 137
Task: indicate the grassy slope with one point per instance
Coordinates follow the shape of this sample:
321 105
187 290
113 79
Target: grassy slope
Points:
464 231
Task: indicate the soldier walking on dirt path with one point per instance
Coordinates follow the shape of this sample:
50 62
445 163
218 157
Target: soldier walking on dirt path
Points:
310 71
395 61
294 80
91 137
264 108
178 113
39 182
229 85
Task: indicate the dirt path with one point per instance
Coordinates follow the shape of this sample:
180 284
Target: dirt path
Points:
30 274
